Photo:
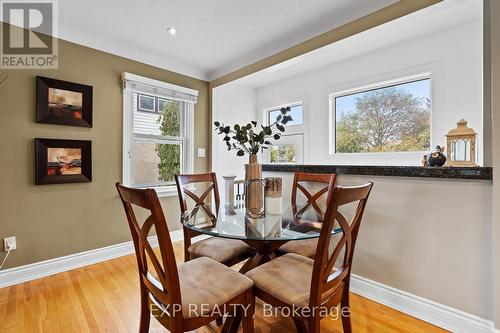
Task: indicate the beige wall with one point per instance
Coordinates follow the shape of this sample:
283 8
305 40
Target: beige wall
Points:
429 237
55 220
495 102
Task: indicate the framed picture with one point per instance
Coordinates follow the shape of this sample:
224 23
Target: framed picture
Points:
62 161
63 103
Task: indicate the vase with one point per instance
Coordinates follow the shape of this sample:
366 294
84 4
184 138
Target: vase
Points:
254 188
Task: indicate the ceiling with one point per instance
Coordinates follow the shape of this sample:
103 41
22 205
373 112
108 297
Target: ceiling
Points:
424 22
214 37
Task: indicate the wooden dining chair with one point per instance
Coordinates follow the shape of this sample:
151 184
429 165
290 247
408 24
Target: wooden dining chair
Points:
307 247
226 251
185 297
316 286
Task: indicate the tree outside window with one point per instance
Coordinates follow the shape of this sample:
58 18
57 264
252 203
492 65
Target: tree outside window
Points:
389 119
170 154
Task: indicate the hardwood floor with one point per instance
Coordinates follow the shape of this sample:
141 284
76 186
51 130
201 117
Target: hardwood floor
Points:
104 298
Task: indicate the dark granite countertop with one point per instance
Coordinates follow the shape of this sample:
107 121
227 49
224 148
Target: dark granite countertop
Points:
482 173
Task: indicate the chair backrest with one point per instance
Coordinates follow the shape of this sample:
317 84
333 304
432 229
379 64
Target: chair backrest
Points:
312 199
325 278
183 191
162 280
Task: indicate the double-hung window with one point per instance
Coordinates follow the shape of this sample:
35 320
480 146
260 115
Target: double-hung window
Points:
158 132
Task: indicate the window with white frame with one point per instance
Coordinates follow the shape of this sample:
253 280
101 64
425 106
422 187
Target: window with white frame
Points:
296 111
387 118
158 132
289 148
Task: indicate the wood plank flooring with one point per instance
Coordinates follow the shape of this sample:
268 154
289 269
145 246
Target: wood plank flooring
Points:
104 298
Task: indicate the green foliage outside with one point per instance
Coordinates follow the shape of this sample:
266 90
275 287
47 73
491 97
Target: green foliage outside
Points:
283 154
169 154
385 120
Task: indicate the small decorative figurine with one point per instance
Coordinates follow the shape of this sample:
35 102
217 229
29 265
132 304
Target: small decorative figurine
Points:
424 161
437 158
461 147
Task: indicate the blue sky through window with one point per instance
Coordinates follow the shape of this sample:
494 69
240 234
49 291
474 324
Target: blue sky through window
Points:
347 104
295 111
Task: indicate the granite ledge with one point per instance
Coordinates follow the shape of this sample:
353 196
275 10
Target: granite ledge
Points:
478 173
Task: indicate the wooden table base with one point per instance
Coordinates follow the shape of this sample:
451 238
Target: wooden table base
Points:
264 253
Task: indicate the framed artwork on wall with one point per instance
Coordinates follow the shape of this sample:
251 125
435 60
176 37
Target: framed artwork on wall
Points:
63 103
62 161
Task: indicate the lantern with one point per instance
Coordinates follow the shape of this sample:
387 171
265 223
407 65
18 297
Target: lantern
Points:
461 146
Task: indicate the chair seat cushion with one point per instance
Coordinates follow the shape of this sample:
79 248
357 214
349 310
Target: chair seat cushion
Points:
306 247
206 284
287 278
219 249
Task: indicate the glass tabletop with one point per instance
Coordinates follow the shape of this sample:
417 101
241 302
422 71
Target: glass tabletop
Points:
237 225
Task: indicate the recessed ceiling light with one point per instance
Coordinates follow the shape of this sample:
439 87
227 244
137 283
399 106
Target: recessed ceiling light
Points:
172 31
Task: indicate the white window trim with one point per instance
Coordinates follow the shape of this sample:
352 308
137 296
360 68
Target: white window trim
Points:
290 130
357 158
128 119
156 83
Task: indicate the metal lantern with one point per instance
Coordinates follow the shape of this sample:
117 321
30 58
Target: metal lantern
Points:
461 146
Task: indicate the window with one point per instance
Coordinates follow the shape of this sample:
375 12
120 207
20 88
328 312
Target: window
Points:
289 149
388 118
146 103
296 111
158 132
283 153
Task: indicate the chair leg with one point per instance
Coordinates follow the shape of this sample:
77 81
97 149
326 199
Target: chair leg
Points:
248 312
187 243
314 324
344 303
300 325
145 314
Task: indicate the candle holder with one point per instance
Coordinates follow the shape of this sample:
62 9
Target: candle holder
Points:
254 198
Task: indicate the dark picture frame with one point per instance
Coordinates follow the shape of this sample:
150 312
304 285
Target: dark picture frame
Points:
70 103
51 169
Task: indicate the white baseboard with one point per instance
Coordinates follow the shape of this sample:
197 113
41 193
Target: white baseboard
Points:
44 268
421 308
418 307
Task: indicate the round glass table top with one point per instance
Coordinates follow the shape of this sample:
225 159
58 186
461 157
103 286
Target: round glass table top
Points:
236 224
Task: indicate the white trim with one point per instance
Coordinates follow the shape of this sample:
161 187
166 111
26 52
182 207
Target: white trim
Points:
416 306
187 146
431 68
44 268
300 129
437 314
332 112
156 83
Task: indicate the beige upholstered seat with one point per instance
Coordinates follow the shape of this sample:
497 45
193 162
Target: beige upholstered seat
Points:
219 249
205 284
306 247
287 278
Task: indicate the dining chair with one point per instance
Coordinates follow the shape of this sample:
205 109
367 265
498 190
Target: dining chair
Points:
307 247
185 297
314 287
226 251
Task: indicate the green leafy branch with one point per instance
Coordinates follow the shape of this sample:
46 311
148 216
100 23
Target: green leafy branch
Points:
246 140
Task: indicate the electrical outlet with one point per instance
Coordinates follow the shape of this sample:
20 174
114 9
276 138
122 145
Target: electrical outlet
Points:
9 243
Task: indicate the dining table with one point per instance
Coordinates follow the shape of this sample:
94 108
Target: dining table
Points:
264 234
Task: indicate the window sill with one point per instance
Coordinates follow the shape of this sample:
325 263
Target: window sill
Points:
479 173
166 192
